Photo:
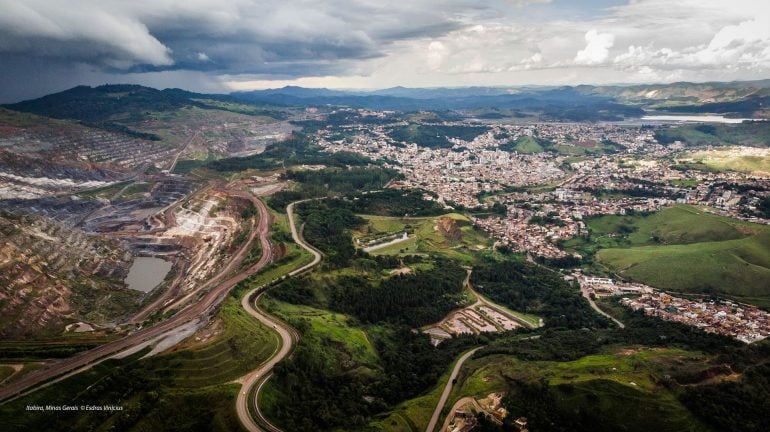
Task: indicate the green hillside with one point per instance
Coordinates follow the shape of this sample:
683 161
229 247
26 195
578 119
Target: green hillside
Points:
526 145
685 249
614 390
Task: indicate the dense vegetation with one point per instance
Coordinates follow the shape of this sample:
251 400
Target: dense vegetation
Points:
328 229
416 299
533 289
727 405
394 202
320 388
328 383
298 149
756 134
435 136
330 182
102 105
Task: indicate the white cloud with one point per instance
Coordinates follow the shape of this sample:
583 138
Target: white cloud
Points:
120 39
437 52
359 43
597 48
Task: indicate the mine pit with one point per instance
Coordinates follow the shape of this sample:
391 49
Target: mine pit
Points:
146 273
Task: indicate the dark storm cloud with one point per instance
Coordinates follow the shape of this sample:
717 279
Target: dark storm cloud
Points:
286 37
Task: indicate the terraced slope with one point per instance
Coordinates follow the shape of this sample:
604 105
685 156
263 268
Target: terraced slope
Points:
51 275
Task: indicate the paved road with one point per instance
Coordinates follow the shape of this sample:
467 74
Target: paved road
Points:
481 300
204 306
596 307
448 389
289 336
301 241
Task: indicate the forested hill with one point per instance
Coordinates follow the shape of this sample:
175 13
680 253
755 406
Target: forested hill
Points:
94 105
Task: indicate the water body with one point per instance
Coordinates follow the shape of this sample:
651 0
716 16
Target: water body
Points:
694 118
146 273
404 237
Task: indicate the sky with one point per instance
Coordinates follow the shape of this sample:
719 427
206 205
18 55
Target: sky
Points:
228 45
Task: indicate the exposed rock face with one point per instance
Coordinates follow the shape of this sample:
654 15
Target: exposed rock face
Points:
43 156
50 273
449 228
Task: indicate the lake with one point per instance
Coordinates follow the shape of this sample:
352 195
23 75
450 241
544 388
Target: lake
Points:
694 118
146 273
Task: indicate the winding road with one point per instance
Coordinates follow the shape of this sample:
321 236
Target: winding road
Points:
204 306
295 235
596 307
289 336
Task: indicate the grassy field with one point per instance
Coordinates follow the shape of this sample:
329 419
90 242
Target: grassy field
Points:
460 240
136 190
528 145
734 159
105 191
623 386
5 372
684 248
243 344
685 183
332 325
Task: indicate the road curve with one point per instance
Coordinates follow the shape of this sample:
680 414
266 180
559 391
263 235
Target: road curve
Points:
295 235
205 305
596 307
289 336
448 389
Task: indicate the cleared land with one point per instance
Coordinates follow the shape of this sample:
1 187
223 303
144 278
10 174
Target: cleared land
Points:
452 235
742 159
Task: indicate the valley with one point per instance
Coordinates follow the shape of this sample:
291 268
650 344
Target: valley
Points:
344 268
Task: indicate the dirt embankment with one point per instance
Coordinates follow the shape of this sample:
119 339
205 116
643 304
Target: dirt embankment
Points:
449 228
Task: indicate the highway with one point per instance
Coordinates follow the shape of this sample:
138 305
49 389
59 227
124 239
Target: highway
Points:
205 305
448 389
289 336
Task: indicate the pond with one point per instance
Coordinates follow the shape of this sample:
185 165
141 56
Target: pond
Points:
146 273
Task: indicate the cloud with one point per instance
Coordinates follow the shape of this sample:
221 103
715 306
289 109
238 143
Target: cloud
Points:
597 48
368 43
62 29
522 3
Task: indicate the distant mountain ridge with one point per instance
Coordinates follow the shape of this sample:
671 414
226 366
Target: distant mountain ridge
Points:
746 98
101 106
